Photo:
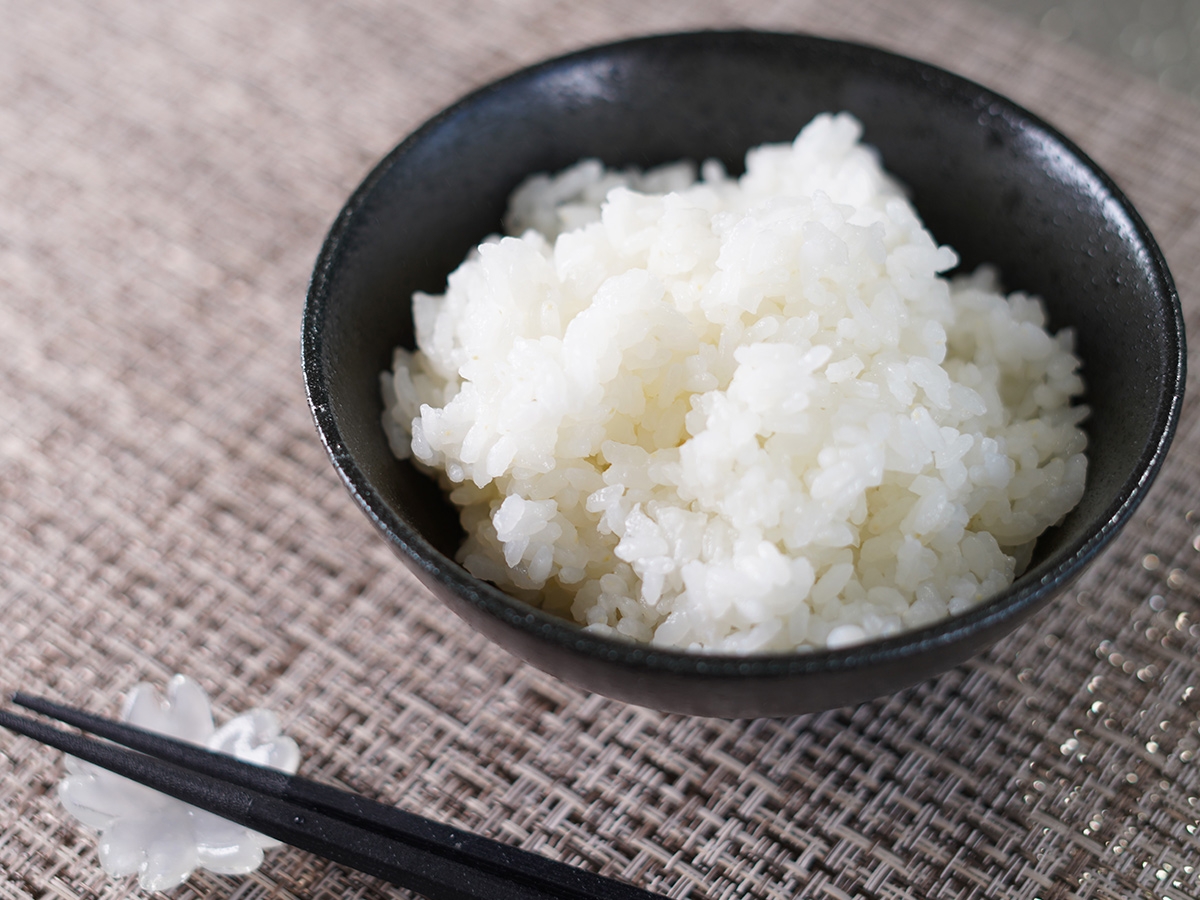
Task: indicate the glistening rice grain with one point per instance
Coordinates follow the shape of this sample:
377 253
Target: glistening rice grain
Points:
739 415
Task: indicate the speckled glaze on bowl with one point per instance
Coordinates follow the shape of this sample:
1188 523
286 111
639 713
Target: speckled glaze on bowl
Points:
989 178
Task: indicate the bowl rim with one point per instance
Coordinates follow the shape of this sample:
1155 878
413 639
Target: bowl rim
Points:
1014 603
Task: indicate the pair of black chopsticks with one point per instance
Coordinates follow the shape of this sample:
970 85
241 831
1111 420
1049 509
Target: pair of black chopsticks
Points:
433 859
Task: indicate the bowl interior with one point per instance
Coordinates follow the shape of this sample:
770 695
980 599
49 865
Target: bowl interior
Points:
987 178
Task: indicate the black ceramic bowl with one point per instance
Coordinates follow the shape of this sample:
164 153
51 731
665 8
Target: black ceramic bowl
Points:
989 178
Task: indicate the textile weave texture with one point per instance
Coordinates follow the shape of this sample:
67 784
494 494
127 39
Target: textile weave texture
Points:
167 174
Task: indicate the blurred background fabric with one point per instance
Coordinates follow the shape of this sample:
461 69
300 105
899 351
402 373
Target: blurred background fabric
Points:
1158 38
168 171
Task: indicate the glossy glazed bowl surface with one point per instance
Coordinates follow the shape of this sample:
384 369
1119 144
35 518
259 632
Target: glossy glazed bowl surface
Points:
987 177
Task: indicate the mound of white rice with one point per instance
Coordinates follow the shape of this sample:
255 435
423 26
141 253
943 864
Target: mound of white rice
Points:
739 415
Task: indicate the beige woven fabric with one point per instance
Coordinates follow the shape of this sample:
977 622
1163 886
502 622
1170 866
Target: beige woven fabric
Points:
167 173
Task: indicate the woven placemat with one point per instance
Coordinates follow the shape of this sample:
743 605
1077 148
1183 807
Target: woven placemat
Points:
167 173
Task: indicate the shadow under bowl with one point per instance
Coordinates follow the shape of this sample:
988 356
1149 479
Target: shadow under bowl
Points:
987 177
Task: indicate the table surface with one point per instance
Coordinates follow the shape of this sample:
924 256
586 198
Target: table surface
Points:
167 173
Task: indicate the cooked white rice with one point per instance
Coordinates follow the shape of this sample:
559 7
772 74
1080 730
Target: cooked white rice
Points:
739 415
